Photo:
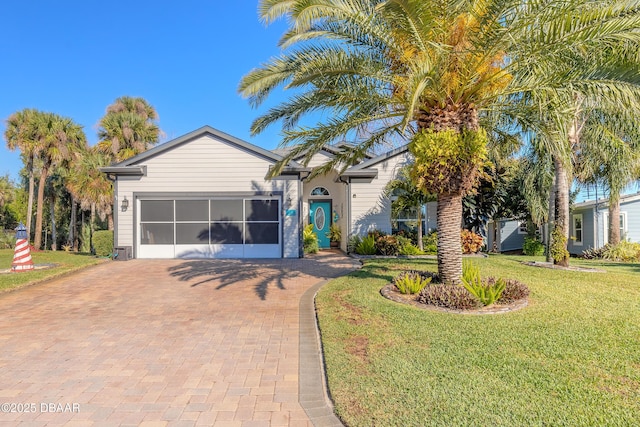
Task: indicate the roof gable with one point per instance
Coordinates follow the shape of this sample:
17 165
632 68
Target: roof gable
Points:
198 133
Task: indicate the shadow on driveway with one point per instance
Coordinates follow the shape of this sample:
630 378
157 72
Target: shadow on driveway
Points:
263 273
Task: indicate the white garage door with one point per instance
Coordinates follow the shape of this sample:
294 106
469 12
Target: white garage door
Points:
230 227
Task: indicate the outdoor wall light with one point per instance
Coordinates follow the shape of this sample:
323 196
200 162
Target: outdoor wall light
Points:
289 201
125 204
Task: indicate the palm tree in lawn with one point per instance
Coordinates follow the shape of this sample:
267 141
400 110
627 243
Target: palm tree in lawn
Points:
408 198
610 153
20 134
427 72
57 139
128 128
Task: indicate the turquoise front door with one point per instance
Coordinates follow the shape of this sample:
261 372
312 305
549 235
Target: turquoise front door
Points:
320 217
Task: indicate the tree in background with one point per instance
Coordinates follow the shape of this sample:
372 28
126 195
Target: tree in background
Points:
128 128
610 153
57 139
21 134
408 198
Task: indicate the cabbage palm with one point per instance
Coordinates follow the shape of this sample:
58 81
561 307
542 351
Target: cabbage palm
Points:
128 128
90 187
58 139
20 134
430 72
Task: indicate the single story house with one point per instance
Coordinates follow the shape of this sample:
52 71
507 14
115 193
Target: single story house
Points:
589 223
588 226
204 195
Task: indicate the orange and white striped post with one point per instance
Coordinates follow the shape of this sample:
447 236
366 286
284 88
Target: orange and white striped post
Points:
22 255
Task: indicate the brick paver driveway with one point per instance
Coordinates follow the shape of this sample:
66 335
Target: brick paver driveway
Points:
159 342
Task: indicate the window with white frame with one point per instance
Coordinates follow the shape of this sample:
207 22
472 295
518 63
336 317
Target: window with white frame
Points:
577 229
522 228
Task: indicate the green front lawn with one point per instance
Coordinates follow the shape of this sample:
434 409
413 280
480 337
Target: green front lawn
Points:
65 263
572 357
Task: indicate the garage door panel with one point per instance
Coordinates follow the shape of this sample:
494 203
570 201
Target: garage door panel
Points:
192 233
262 251
219 227
226 233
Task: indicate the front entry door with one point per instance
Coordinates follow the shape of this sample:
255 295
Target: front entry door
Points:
320 217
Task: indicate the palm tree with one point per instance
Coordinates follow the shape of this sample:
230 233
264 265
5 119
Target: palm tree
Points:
610 153
20 134
409 198
428 72
90 187
57 139
128 128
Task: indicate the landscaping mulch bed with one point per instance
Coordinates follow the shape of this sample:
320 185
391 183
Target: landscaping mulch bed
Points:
390 292
559 267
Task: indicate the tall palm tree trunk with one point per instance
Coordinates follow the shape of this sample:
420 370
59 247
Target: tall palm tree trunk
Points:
551 218
54 231
32 188
562 203
449 218
614 220
420 243
37 240
72 224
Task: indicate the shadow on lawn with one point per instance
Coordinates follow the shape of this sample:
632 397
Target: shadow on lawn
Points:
264 273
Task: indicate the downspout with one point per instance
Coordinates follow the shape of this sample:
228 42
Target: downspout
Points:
114 209
347 183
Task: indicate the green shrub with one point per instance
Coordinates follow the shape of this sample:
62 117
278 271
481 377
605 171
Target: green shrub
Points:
410 282
352 244
309 240
85 238
430 243
387 245
103 243
7 239
367 245
623 251
558 248
532 246
487 292
406 247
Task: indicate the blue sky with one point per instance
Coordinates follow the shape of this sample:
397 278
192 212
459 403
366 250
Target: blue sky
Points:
75 57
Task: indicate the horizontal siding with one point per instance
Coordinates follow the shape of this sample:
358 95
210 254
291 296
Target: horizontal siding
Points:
510 239
319 159
633 219
370 208
205 164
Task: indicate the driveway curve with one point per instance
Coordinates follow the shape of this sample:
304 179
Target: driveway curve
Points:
160 342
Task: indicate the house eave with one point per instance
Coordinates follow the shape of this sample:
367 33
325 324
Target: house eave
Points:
369 174
136 170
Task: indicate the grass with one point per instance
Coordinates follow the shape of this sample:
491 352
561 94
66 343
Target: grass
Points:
65 262
572 357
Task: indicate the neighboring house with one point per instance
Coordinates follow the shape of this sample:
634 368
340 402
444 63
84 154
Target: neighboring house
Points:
204 195
588 226
589 223
505 235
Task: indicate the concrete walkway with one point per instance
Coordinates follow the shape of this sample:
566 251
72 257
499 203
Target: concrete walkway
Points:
167 342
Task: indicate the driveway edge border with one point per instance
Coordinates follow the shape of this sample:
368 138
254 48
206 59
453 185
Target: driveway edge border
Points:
312 386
